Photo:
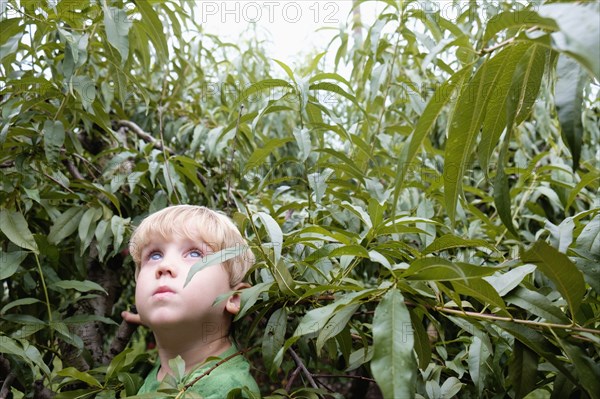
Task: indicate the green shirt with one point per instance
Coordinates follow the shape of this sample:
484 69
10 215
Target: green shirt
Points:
232 374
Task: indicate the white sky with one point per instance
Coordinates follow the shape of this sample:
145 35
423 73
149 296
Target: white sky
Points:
290 26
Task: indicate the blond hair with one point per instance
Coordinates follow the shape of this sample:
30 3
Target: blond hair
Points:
197 223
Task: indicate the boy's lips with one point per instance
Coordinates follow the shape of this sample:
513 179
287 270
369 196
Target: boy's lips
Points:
163 289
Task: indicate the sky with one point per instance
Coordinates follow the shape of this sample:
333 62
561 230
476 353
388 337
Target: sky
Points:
292 28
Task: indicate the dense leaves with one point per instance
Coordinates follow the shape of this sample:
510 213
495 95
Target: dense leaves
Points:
421 196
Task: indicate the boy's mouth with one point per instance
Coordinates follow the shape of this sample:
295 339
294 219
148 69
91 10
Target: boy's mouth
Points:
163 290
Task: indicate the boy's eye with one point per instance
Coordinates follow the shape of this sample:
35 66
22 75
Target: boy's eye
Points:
154 256
195 254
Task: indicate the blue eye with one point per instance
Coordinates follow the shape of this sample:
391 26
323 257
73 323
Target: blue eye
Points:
155 256
195 254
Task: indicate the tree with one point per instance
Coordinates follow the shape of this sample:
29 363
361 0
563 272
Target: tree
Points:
427 226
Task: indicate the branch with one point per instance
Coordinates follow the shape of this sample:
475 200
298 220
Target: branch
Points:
217 364
506 42
489 316
73 170
145 136
290 382
6 385
307 373
41 392
120 341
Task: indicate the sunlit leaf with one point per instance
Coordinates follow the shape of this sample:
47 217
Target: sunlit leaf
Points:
394 366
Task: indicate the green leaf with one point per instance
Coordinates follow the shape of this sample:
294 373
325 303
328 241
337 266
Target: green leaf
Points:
286 68
54 137
117 24
589 238
538 343
579 34
77 394
118 226
516 19
87 226
14 226
177 365
449 241
132 382
422 344
523 91
260 154
249 296
394 366
258 87
274 231
86 89
477 360
438 269
523 370
586 368
495 120
18 302
318 183
334 88
503 283
80 376
9 263
154 29
81 286
568 99
214 259
557 266
465 125
302 137
65 225
273 338
481 291
336 324
426 122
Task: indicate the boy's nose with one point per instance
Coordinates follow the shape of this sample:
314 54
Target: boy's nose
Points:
166 267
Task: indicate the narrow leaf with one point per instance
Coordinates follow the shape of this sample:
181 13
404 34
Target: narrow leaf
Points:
559 268
568 98
394 366
14 226
523 369
65 225
214 259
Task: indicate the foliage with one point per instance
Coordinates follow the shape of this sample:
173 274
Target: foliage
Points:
429 223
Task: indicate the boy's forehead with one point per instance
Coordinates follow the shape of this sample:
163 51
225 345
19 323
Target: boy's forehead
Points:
185 237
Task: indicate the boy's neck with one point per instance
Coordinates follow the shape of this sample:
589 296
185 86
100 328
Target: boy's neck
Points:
193 351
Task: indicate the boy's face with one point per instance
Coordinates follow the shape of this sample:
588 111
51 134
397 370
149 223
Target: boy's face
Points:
160 297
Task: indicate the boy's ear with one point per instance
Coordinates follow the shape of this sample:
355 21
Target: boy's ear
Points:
233 302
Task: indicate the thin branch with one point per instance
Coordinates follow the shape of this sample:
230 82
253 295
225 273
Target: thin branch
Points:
217 364
145 136
489 316
41 392
229 167
305 371
120 341
73 170
58 182
5 390
504 43
290 382
355 377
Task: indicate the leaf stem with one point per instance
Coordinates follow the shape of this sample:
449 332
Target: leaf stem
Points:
489 316
47 298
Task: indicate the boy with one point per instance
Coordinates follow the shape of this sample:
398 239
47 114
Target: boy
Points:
186 321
